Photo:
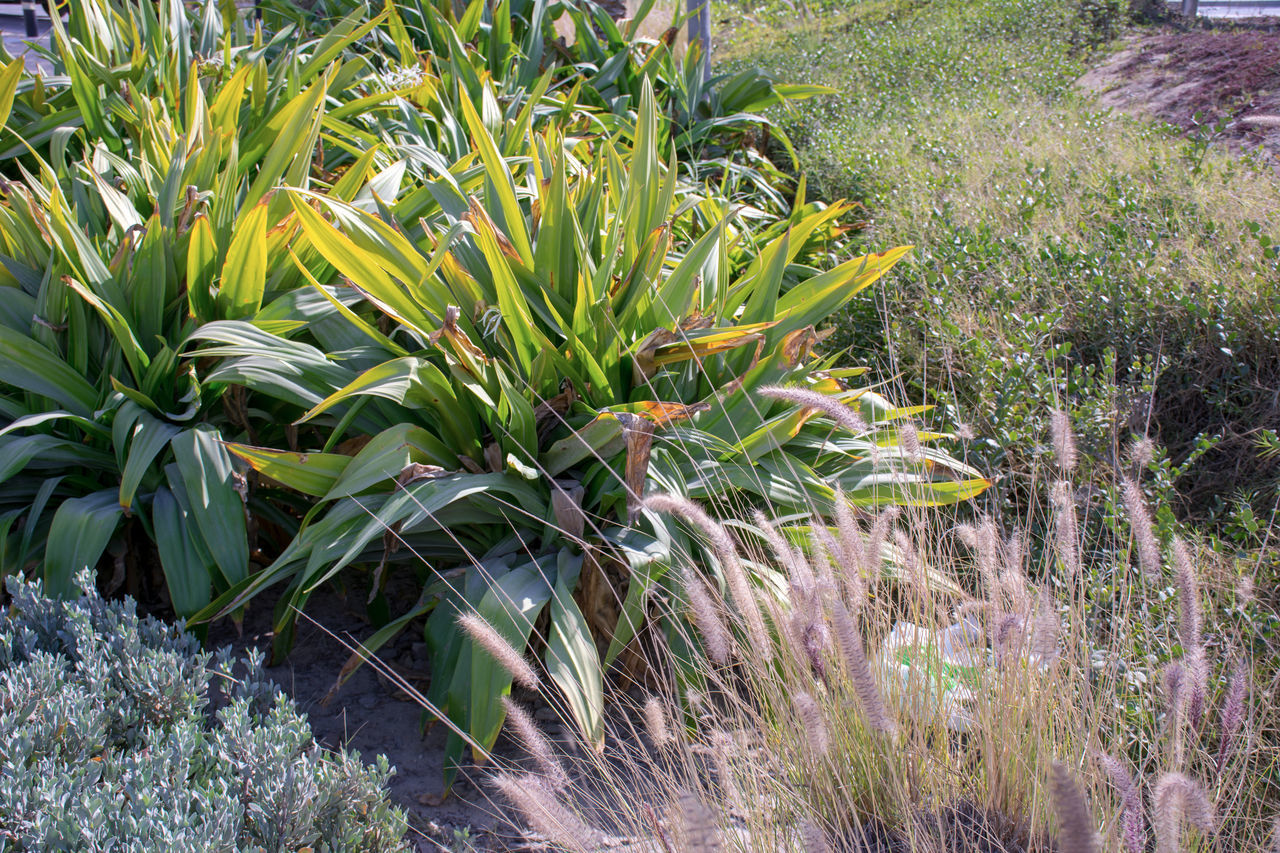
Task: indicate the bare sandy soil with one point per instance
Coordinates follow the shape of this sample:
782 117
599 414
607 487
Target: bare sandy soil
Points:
1200 78
373 716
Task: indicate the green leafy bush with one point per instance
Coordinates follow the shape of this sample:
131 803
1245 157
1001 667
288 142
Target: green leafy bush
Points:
119 733
120 240
580 330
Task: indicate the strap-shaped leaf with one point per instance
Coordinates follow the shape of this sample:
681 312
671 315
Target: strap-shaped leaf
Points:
244 272
187 565
81 529
310 473
207 476
144 436
27 365
571 657
812 301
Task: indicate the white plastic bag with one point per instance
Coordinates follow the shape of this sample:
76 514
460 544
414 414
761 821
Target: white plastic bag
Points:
935 672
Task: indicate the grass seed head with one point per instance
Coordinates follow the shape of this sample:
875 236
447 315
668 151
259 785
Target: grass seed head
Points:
536 744
1144 534
1064 440
1076 830
846 417
1132 830
1174 799
544 812
488 638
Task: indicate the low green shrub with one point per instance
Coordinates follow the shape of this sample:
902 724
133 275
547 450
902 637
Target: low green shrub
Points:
1065 253
117 732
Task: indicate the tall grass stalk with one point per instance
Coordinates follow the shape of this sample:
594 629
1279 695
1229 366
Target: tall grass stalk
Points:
1031 718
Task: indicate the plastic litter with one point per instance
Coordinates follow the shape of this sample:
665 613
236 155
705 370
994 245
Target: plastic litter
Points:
936 671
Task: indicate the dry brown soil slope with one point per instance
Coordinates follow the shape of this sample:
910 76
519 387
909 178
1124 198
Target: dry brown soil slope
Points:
1195 79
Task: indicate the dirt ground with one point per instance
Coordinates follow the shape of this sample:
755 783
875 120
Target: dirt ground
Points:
373 717
1200 79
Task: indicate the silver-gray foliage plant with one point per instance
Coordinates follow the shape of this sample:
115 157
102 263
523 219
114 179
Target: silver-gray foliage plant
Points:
119 733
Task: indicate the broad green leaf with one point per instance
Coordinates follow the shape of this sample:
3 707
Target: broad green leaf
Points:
82 528
187 565
208 477
244 272
571 657
27 365
145 436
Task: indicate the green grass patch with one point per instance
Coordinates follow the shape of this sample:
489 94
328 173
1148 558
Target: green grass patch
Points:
1066 254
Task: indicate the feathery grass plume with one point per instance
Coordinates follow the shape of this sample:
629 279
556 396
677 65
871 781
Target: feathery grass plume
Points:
1077 832
722 545
826 555
805 632
488 638
1244 590
546 815
655 722
1064 440
536 744
788 555
1177 695
1132 831
985 543
1066 528
909 436
813 838
1144 534
859 669
1190 630
852 549
1009 637
1197 670
1173 680
697 824
815 727
880 530
1013 574
1045 628
840 413
1233 708
1141 452
1189 615
706 616
1175 799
